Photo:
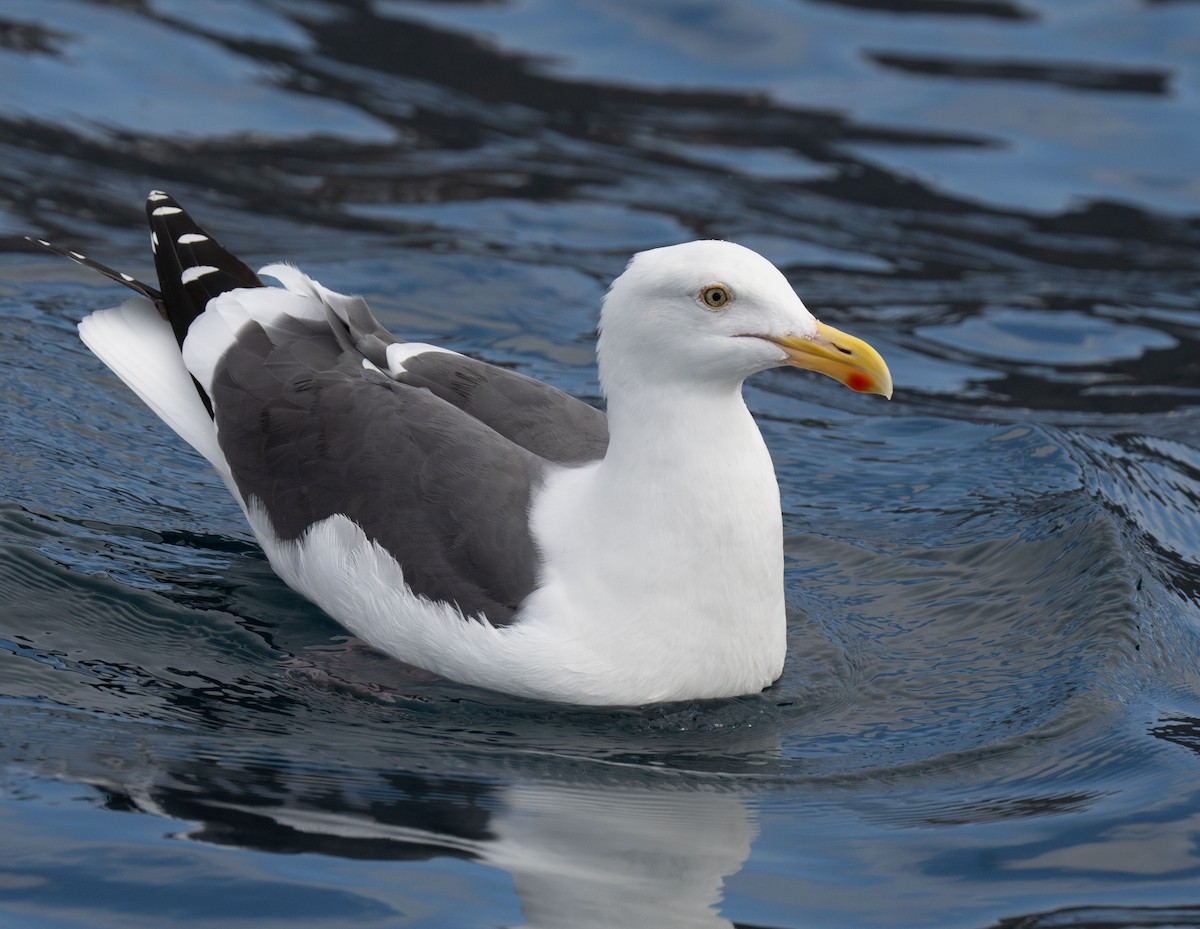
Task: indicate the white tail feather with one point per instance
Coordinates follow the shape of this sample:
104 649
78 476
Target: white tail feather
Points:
140 348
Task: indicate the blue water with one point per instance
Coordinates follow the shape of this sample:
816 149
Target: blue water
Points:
990 715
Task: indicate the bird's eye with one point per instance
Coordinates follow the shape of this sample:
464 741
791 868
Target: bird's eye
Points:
715 296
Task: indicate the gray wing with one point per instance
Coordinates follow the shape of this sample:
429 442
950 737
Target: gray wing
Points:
534 415
310 432
437 465
551 424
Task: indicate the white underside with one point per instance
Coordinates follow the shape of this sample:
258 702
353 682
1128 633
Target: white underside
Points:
604 653
630 609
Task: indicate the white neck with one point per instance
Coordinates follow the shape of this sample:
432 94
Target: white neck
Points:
664 561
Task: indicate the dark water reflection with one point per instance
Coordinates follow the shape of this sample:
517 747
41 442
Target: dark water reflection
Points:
991 709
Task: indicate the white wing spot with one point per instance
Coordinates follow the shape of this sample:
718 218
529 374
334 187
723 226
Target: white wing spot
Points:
126 277
191 238
154 241
195 272
157 195
166 210
400 352
77 256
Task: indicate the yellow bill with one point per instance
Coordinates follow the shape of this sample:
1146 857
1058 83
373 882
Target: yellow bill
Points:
840 356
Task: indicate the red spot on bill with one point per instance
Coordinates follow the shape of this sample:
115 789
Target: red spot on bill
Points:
858 381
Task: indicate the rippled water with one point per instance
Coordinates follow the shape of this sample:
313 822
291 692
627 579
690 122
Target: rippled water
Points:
991 711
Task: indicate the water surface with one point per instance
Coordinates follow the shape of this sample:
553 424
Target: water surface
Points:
990 714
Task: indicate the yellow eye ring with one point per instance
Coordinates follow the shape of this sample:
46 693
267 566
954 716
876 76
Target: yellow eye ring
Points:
715 296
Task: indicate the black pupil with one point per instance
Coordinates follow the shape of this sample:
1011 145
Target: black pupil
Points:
716 297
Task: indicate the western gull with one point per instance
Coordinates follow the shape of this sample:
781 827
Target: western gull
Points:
478 523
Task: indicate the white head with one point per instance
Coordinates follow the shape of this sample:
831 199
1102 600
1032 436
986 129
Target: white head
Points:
713 313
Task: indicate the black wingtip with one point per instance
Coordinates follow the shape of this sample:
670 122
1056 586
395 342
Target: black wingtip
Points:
119 276
192 266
